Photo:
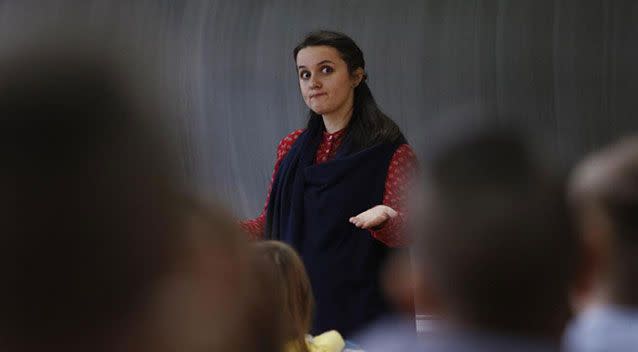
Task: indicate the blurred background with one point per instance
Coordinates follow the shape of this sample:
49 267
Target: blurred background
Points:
565 67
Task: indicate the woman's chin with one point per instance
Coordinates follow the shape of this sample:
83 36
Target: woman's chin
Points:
322 109
318 111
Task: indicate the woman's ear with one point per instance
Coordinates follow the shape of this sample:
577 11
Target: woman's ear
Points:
357 77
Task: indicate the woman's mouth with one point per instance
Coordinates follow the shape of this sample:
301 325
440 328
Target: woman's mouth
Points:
317 95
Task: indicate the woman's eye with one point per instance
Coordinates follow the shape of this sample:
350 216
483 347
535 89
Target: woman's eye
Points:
327 69
304 75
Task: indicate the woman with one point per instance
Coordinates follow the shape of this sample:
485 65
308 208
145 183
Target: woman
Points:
338 187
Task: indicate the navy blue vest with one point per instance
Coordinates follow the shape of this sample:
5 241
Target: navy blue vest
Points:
309 208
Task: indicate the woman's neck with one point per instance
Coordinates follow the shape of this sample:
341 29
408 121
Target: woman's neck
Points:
337 120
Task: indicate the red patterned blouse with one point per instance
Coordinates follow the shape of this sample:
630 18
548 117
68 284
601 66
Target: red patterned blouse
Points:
400 172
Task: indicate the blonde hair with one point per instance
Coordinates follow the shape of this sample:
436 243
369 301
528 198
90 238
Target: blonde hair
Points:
293 287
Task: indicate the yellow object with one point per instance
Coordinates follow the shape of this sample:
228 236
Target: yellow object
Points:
330 341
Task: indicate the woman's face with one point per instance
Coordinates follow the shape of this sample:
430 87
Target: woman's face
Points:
326 85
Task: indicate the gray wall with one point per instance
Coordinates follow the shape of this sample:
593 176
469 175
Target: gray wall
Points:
565 66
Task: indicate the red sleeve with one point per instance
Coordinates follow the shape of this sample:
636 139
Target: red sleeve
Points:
401 172
255 227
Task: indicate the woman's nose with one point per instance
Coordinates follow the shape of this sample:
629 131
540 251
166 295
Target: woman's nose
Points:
315 83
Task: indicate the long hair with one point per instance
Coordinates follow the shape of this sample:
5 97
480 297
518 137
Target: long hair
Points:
369 125
293 286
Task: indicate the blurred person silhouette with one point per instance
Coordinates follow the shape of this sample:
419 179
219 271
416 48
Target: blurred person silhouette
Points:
396 331
100 249
495 252
604 194
241 294
292 285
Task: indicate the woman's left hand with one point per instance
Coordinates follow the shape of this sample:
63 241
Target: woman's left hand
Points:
374 217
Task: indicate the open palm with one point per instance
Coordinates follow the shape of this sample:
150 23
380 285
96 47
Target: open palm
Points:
374 217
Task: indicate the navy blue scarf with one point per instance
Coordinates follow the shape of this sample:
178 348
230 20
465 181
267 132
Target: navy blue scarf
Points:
309 209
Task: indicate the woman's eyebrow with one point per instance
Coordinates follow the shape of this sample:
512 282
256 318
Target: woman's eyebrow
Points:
325 62
322 62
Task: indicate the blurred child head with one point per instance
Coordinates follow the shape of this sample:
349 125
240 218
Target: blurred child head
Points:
99 248
604 193
292 284
496 248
